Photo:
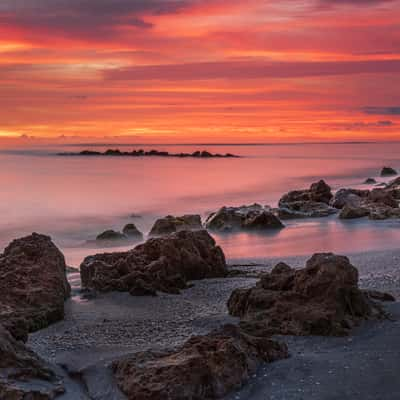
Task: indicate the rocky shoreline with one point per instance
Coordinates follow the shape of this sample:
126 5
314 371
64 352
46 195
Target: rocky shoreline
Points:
171 319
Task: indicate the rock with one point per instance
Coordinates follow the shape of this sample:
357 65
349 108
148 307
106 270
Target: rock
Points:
163 264
312 202
132 232
321 299
110 235
374 294
170 224
383 197
353 197
204 368
23 375
318 192
305 209
254 217
352 212
388 171
370 181
33 285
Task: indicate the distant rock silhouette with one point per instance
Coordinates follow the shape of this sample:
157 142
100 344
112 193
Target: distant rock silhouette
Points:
150 153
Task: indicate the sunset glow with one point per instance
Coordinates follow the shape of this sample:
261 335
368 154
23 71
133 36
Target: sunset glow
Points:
196 70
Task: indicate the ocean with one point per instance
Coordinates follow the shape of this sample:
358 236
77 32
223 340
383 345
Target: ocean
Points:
72 199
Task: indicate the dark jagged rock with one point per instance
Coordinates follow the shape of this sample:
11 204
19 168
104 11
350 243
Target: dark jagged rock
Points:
150 153
305 209
33 285
312 202
170 224
204 368
352 197
110 235
131 231
353 212
163 264
23 375
254 217
321 299
388 171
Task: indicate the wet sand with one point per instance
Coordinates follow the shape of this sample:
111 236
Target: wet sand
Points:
98 330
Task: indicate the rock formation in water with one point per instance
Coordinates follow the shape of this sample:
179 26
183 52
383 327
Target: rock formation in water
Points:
321 299
370 181
33 285
248 218
23 375
163 264
307 203
204 368
379 203
151 153
170 224
388 171
130 233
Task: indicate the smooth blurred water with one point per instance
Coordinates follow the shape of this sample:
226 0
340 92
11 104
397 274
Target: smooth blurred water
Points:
74 198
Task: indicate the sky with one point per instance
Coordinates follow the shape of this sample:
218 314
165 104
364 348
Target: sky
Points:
200 70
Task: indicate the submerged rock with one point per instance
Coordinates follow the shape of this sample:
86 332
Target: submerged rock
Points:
110 235
353 212
170 224
132 232
312 202
388 171
254 217
23 375
163 264
370 181
321 299
204 368
33 285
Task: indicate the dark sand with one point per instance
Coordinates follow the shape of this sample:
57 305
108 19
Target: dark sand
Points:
362 366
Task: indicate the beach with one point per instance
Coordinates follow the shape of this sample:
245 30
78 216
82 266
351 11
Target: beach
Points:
98 330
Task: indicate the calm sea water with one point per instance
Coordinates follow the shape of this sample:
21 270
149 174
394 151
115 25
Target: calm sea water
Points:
74 198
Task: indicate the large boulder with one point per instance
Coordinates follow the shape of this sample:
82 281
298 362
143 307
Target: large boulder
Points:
318 192
312 202
110 235
352 197
388 171
33 285
170 224
353 212
23 375
321 299
163 264
254 217
204 368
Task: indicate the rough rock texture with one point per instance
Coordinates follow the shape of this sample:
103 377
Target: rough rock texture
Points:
388 171
204 368
377 204
321 299
352 197
19 366
110 235
161 264
170 224
254 217
305 209
131 231
312 202
351 212
33 285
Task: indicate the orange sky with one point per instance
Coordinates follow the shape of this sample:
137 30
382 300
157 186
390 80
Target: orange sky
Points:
197 70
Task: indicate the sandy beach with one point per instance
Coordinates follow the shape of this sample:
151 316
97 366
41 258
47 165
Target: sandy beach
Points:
98 330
